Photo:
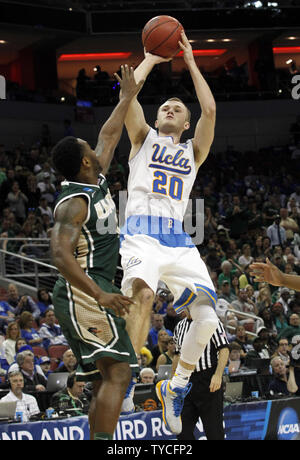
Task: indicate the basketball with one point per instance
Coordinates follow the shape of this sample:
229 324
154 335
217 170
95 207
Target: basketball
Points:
161 35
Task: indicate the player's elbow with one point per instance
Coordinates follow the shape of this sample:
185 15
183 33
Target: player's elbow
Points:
58 256
210 110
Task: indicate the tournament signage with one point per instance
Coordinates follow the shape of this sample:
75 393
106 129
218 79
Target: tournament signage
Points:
278 419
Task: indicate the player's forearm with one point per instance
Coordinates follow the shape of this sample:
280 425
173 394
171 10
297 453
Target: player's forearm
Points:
144 68
203 92
291 281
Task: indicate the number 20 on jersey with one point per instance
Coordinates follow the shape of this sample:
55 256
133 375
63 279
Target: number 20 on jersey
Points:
167 185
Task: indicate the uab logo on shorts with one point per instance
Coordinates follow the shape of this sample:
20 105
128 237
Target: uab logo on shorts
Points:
288 425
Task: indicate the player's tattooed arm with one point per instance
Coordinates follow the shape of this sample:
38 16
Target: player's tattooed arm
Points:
69 219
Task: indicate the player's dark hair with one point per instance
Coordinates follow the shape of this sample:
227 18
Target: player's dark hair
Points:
67 155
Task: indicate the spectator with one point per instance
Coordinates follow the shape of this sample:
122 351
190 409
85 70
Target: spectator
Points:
234 361
294 306
243 305
34 380
162 298
226 268
44 301
167 356
213 261
256 352
6 313
226 293
71 400
282 351
17 201
161 346
45 365
290 225
279 318
46 169
258 247
284 299
278 384
269 343
100 76
46 188
264 298
43 208
246 258
237 218
158 324
26 404
32 192
68 363
293 329
146 357
171 318
21 303
50 332
9 345
81 93
28 332
268 320
147 375
242 339
276 232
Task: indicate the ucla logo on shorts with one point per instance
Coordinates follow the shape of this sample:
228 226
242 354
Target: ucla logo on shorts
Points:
132 262
288 425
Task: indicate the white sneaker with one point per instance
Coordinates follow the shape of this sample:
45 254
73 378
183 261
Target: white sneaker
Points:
172 401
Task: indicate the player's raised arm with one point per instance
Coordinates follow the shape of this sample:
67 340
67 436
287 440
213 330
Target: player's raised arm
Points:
111 131
135 122
69 218
205 128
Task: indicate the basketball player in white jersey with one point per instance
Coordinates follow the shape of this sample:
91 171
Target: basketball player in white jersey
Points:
153 244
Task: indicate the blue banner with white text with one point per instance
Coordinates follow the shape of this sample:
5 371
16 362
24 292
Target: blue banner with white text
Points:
278 419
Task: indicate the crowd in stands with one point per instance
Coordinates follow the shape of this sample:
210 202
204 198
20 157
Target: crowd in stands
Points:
252 211
228 82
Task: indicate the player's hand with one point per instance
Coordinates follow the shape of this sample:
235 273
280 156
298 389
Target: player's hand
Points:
266 272
129 88
117 302
155 59
186 48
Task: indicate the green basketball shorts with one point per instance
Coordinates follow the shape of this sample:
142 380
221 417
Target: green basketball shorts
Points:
93 332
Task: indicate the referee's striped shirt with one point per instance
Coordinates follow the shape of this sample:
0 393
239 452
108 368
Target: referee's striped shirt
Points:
209 358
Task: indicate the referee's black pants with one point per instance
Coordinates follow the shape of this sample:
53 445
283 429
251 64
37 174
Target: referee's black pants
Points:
200 402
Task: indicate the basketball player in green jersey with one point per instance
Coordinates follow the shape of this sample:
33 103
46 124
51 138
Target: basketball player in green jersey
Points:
85 247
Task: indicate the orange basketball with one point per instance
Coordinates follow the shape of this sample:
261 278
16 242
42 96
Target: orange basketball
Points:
161 35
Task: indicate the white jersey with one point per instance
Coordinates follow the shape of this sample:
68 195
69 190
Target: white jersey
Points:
161 178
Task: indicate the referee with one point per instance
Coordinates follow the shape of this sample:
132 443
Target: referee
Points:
205 400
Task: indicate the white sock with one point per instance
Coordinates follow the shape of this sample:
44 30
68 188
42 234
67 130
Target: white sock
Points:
181 377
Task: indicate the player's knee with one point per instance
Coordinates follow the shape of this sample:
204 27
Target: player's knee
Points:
205 322
205 329
145 297
120 375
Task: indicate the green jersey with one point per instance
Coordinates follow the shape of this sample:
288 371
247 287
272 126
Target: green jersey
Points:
98 245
